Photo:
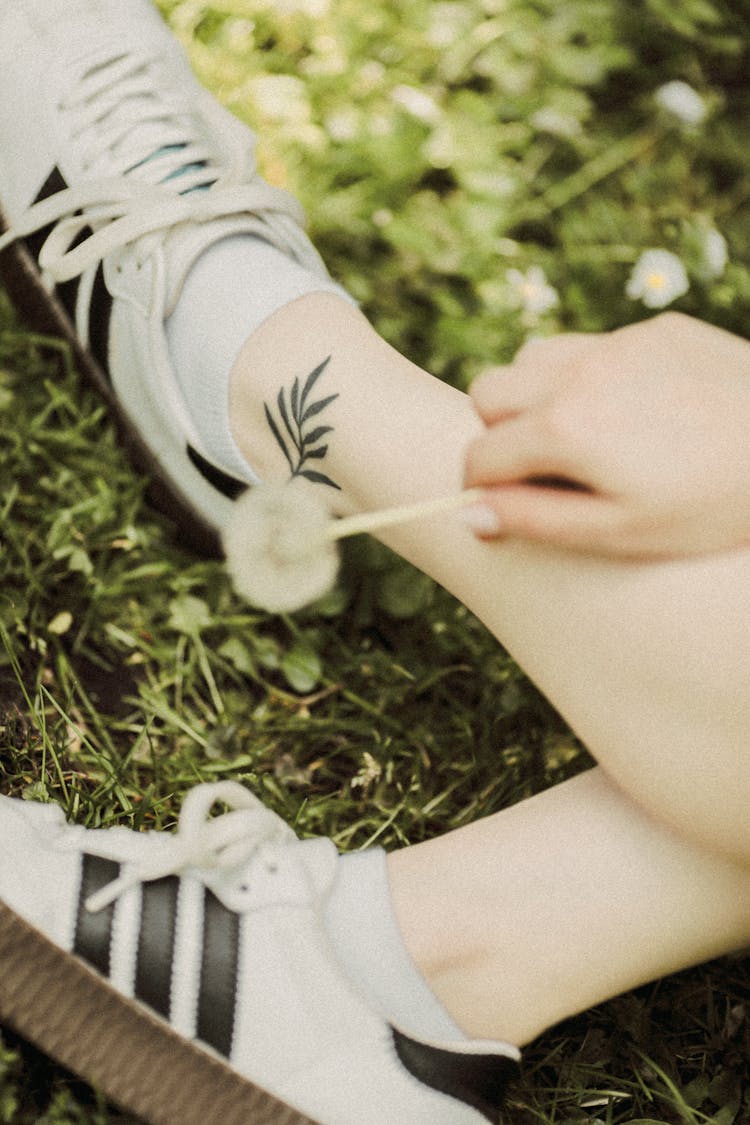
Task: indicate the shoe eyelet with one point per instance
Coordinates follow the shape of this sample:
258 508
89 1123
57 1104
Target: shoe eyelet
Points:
272 868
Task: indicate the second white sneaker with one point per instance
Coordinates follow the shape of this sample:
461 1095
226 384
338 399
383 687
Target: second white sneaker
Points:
190 976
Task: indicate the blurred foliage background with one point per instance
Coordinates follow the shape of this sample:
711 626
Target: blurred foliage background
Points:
437 144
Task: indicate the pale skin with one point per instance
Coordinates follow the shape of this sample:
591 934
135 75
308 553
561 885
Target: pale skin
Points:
649 420
639 867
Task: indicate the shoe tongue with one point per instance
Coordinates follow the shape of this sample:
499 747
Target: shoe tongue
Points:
320 859
186 243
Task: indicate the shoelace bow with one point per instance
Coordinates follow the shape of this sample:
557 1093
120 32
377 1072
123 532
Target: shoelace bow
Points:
115 212
201 843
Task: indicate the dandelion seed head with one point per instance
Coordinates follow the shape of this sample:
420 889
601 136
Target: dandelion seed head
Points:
277 554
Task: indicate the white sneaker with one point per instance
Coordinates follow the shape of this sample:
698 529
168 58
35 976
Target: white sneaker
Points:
99 237
190 978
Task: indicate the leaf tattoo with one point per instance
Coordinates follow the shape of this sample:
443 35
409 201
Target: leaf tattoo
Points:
298 441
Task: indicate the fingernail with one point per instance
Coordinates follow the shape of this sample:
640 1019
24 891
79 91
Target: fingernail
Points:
481 519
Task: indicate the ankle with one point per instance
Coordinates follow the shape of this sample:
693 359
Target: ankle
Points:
310 343
458 951
367 942
383 418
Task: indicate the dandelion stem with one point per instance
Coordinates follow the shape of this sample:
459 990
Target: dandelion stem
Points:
386 517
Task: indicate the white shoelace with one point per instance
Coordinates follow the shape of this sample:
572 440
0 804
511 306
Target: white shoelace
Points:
202 843
114 101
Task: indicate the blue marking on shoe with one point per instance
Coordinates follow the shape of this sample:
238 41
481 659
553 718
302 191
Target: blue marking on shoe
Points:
67 293
195 166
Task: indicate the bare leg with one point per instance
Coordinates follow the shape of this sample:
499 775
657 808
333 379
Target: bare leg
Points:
648 663
559 903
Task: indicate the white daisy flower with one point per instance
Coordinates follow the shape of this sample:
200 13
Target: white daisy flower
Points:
343 124
715 252
417 103
371 74
659 277
551 120
382 217
683 102
534 292
282 97
313 8
449 23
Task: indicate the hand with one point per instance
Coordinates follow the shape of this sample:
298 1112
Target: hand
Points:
634 443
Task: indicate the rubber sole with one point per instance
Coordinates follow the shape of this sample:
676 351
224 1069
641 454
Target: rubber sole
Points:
44 313
74 1015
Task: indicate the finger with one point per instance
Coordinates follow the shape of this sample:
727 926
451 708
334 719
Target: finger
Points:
551 351
538 370
584 522
522 446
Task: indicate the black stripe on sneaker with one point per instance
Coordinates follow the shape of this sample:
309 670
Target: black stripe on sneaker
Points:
478 1080
218 982
93 936
100 314
221 481
51 186
153 972
100 309
67 292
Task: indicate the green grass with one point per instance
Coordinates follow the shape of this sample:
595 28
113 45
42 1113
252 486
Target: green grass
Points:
129 671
